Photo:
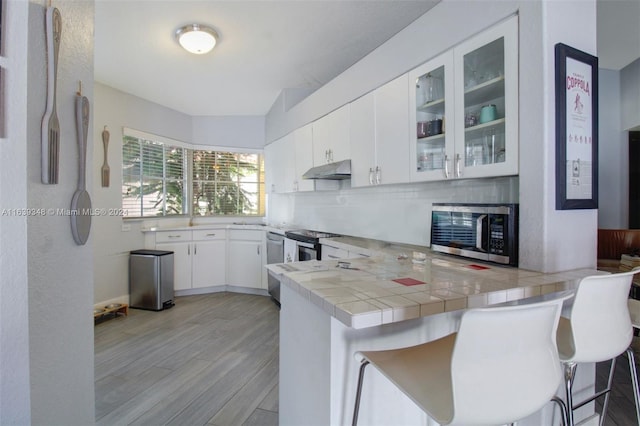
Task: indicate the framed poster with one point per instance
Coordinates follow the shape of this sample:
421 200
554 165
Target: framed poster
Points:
576 129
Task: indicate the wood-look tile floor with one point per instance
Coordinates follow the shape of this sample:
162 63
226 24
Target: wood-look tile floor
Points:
210 360
622 409
213 360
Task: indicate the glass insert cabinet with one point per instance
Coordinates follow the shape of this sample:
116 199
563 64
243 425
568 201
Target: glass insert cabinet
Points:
464 109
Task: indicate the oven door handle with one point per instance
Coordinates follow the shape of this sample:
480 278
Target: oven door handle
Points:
480 231
307 245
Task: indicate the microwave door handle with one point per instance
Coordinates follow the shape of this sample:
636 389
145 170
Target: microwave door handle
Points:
480 231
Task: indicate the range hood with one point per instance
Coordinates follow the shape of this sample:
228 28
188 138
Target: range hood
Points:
333 171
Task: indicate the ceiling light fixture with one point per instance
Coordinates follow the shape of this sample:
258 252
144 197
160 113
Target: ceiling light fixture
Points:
196 38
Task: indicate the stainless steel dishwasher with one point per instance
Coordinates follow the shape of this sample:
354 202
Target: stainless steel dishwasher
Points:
275 254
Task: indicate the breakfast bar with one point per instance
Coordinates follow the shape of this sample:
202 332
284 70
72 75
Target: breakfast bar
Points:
395 298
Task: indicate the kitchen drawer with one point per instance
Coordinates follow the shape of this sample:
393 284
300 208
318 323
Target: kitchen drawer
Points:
209 234
172 236
249 235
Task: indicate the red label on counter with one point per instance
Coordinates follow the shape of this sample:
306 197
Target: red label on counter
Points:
477 267
408 281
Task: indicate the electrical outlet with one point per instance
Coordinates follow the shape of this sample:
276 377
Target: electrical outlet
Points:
126 227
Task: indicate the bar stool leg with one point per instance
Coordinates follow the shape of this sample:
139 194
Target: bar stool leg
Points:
569 375
356 409
605 405
634 381
563 409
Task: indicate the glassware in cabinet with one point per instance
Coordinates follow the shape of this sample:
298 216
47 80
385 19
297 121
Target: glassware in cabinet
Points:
486 73
431 107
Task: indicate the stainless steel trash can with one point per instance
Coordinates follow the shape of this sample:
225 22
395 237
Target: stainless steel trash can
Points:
151 279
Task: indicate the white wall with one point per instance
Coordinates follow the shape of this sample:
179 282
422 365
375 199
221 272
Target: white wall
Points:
549 240
116 109
613 155
15 399
630 82
47 280
229 131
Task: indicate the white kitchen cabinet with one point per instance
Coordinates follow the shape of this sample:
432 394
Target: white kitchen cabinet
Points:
280 165
392 131
179 242
303 156
363 140
181 263
331 137
199 258
473 90
431 104
247 259
486 71
209 258
379 135
329 252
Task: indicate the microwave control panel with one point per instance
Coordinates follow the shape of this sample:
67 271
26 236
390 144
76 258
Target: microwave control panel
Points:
498 235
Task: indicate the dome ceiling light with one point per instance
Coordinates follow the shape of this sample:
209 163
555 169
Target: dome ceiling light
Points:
196 38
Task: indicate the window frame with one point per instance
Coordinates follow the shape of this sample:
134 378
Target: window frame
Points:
187 170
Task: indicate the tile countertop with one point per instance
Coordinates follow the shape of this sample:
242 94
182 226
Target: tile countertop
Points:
366 295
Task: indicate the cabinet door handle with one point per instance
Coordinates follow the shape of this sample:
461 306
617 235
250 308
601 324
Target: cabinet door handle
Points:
258 251
458 171
446 167
189 250
378 175
195 249
174 236
370 175
211 235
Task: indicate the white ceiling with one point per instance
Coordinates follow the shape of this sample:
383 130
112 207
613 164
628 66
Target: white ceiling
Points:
266 46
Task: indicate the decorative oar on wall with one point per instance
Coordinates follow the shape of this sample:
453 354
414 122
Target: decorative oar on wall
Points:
105 166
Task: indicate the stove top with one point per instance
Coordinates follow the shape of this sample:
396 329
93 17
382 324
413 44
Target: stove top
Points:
308 236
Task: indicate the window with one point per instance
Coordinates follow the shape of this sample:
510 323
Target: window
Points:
156 180
227 183
153 178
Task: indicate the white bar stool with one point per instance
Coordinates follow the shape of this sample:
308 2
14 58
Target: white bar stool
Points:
501 366
598 329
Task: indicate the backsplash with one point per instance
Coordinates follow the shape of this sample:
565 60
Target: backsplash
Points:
395 213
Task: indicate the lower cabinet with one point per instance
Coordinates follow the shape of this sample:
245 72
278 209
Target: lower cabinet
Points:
215 257
246 259
209 261
181 263
199 259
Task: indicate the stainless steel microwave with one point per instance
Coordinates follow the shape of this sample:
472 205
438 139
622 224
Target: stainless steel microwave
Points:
479 231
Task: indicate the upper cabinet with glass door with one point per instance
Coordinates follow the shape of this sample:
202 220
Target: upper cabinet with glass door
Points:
486 99
464 109
431 114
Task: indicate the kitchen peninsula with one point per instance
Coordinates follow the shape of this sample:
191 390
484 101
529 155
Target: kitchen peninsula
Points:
397 297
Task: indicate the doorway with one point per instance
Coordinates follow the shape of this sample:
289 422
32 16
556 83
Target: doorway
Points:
634 180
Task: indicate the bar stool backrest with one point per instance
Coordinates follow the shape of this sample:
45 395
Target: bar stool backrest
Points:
505 362
600 324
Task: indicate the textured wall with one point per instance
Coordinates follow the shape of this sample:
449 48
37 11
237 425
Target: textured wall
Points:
15 400
60 273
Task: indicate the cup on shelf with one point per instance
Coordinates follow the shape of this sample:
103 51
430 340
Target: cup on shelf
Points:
470 119
423 129
488 113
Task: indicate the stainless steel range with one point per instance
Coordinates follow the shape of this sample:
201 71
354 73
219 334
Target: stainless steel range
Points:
307 243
